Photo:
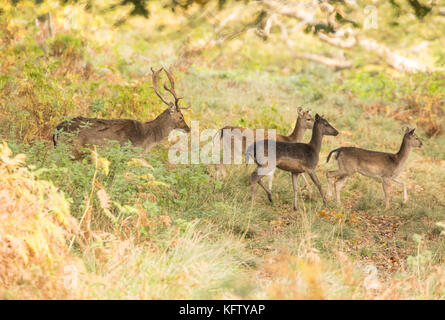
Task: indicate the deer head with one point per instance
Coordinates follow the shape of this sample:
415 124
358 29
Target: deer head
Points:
324 126
411 138
173 107
305 117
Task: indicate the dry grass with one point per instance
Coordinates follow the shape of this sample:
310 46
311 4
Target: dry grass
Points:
34 225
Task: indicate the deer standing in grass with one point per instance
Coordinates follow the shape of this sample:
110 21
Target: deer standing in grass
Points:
382 165
146 135
304 121
296 158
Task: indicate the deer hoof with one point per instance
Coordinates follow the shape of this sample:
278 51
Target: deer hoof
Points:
269 196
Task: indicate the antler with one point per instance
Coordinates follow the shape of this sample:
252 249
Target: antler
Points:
155 86
172 89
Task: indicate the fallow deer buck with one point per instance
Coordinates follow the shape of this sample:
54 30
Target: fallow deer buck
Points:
304 121
145 135
296 158
382 165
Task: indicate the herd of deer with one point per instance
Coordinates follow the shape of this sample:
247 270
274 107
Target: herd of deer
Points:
291 154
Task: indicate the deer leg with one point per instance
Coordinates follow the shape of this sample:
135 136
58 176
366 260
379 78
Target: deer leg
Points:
269 194
330 175
405 194
338 185
385 184
270 178
78 152
295 186
220 171
254 179
329 192
317 183
308 186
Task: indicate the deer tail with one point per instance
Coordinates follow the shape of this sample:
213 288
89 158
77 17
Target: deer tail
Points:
55 140
218 135
60 127
335 152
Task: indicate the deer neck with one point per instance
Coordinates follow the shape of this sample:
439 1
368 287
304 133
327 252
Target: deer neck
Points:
317 136
159 128
403 153
298 133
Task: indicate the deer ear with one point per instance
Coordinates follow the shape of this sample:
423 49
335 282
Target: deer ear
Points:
300 111
412 131
317 117
406 130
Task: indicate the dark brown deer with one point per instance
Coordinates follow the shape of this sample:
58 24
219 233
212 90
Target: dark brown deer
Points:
145 135
382 165
294 157
239 136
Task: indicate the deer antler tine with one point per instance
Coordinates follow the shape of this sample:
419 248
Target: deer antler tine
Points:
155 85
172 87
170 77
172 91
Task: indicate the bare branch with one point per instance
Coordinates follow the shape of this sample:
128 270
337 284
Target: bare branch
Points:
227 19
290 11
331 62
268 25
337 42
393 59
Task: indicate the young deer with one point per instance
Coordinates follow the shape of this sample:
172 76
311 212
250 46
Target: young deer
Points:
239 134
382 165
294 157
146 135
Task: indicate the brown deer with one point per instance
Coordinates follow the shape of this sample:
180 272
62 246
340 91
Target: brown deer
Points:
146 135
294 157
304 121
382 165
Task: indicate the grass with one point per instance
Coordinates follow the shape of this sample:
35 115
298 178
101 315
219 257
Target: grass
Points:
152 230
